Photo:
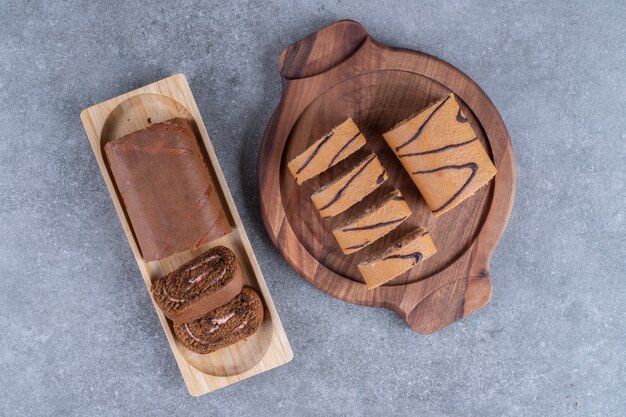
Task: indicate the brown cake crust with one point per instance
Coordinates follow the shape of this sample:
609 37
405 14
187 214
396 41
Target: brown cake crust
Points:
225 325
166 189
201 285
441 152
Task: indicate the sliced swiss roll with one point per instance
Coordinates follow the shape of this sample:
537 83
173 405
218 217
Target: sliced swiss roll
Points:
202 284
399 257
329 150
239 318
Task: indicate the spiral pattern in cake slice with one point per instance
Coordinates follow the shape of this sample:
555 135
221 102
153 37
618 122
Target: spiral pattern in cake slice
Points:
223 326
200 285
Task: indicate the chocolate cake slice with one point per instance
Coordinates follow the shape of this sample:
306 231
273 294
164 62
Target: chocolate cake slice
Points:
167 189
202 284
225 325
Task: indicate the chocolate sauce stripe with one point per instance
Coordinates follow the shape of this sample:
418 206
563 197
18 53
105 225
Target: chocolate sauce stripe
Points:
423 126
445 148
373 226
315 151
381 177
359 246
416 255
342 189
332 161
460 118
470 165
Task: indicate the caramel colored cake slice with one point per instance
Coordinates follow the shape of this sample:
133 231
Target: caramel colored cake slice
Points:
442 154
225 325
349 189
402 255
373 223
166 188
332 148
202 284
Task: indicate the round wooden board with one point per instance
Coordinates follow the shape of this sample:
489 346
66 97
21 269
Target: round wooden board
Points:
341 72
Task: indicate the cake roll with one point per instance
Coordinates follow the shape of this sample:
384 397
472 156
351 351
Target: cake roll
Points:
399 257
442 154
202 284
347 190
225 325
166 188
373 223
329 150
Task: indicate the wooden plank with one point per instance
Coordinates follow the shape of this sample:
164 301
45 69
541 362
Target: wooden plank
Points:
268 347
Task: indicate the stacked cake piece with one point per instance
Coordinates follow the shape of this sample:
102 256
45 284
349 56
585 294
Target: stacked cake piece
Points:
207 302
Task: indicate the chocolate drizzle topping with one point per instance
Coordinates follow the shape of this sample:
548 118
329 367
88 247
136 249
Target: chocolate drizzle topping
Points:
343 148
381 178
423 126
359 246
445 148
342 189
373 226
315 151
417 256
470 165
460 118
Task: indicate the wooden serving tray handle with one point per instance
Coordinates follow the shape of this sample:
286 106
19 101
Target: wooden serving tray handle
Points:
315 65
320 51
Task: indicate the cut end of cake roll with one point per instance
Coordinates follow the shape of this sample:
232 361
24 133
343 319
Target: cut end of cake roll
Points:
223 326
344 192
402 255
202 284
330 149
374 222
441 152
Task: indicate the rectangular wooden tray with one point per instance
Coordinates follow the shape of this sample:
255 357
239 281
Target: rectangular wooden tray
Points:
268 347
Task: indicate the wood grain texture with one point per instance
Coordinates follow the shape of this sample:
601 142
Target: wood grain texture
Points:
342 72
268 347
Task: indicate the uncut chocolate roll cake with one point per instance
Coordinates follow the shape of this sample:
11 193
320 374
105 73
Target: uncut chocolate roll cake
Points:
202 284
167 189
223 326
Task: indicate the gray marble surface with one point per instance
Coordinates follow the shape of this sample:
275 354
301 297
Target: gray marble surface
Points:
78 334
